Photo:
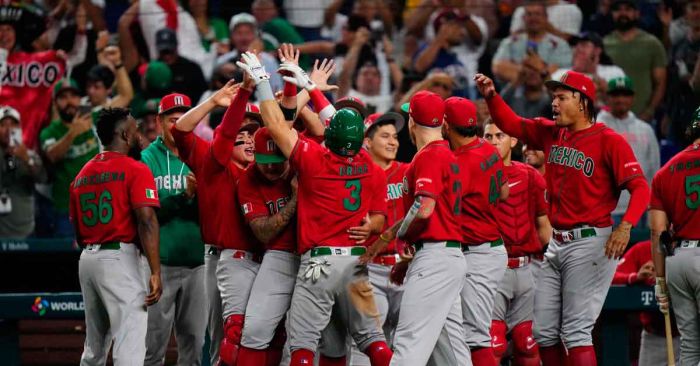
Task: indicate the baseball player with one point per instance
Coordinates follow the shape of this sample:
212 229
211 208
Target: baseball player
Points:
637 268
674 204
268 200
217 166
381 141
483 186
525 229
588 164
181 247
111 205
535 159
338 184
430 321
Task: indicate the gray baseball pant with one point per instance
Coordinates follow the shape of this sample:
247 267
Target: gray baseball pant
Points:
683 278
573 282
486 266
515 298
652 351
430 322
114 293
214 313
235 277
180 307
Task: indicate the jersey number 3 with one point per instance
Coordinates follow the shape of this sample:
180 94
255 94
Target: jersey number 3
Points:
692 187
94 211
353 202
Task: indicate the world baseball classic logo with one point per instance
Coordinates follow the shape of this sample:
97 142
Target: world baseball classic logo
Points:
40 306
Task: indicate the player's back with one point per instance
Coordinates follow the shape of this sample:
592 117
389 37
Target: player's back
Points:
105 193
676 191
481 172
335 193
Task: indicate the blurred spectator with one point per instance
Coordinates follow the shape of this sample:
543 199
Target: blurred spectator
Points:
684 85
438 83
637 268
563 18
267 17
587 55
527 95
68 143
679 28
156 80
244 37
101 78
601 21
376 13
31 95
187 75
20 168
212 30
553 50
534 158
365 82
456 49
149 127
307 16
638 133
640 55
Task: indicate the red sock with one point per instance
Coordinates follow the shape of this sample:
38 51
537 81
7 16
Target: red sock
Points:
582 356
274 356
331 361
379 353
552 355
302 357
251 357
483 357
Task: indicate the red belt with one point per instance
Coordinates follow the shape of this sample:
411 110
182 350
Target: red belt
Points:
386 259
518 262
239 254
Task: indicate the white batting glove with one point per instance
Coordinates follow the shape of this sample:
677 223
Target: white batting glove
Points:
252 66
296 75
661 293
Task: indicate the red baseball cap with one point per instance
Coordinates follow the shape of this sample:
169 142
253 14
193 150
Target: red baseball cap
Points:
266 151
426 108
460 112
396 119
575 81
174 101
352 102
253 112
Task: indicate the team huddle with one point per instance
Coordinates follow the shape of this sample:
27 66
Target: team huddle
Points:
301 243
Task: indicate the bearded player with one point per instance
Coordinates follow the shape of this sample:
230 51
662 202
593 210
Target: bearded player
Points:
111 205
430 321
674 204
483 187
588 164
338 184
232 250
525 229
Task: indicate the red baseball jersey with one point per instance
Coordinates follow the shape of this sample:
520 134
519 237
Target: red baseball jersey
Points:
675 190
481 173
104 195
335 194
586 169
221 221
394 202
434 173
518 213
260 197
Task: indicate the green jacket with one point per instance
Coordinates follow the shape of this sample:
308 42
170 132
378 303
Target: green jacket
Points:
180 239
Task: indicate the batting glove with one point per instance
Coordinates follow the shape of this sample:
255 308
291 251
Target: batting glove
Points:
661 293
297 76
253 67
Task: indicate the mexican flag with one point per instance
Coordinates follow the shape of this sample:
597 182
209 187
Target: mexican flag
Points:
150 193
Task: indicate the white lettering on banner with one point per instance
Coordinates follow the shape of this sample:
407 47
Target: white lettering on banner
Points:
32 74
647 297
67 306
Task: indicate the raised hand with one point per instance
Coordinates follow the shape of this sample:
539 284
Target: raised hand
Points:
297 76
287 54
485 85
223 96
252 66
321 73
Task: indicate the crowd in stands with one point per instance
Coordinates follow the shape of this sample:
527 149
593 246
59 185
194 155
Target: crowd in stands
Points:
61 61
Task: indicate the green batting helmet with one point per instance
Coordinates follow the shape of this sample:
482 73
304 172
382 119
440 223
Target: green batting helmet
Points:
693 131
345 132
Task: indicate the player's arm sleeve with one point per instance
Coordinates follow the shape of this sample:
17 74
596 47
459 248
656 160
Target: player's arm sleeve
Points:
142 187
531 131
225 138
626 273
656 193
629 175
191 148
379 202
305 155
429 177
252 204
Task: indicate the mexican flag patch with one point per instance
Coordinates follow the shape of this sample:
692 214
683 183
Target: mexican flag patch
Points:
246 208
150 193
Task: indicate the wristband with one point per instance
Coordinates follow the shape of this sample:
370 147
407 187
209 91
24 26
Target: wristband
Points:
290 114
290 90
264 91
